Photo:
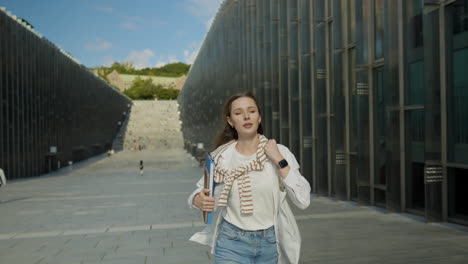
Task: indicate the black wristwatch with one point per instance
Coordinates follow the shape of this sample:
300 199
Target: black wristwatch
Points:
283 163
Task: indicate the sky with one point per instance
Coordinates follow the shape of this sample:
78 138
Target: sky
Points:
147 33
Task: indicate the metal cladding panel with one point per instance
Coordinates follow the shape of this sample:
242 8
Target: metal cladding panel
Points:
50 104
336 81
305 87
274 80
293 77
267 116
3 84
337 100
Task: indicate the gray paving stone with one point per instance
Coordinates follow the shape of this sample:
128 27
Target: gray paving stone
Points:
125 260
105 212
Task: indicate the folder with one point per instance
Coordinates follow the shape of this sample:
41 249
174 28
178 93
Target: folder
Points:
208 184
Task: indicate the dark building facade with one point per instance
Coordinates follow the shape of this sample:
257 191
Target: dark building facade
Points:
370 95
53 110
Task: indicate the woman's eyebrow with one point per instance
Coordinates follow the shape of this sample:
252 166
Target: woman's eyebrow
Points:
239 108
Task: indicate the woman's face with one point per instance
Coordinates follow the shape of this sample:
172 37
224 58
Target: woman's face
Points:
244 116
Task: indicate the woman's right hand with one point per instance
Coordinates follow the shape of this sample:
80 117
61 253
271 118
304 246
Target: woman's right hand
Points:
203 201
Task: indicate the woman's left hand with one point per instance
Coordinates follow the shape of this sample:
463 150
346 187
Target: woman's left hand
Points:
272 151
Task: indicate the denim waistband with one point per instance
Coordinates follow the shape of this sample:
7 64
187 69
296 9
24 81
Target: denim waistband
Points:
225 222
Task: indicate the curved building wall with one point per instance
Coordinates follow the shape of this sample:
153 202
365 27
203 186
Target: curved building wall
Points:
370 95
53 109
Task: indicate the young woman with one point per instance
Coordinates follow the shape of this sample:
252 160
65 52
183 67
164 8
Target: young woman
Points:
252 221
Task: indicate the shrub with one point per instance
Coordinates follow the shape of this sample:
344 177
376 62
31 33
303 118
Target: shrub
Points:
145 89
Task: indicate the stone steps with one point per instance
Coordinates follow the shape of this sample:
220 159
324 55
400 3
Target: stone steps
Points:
151 125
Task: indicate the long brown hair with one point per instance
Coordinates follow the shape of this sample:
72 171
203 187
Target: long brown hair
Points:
229 133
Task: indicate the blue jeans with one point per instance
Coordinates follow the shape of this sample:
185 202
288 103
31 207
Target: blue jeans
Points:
235 245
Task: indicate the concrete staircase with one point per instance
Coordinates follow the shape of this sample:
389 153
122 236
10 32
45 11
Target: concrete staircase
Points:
151 125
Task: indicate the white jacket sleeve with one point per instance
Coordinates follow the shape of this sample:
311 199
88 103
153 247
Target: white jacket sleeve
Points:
297 187
199 189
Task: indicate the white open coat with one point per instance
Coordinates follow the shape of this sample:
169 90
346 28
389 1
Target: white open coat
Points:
295 186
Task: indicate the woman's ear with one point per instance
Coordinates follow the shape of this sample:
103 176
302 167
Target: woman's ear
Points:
229 122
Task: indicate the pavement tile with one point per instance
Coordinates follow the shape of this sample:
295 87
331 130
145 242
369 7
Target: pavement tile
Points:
7 236
104 212
129 228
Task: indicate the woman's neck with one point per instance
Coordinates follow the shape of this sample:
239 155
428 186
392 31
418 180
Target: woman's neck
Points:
247 145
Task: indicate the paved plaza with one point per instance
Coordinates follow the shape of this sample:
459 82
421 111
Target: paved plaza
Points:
103 211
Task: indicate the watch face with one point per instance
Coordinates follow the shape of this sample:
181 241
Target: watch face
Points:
283 163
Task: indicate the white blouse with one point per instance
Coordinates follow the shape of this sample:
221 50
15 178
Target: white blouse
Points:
263 186
296 187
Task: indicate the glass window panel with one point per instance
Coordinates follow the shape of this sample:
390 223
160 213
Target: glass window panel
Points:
3 99
460 18
379 197
339 103
283 72
362 20
320 106
458 109
352 70
415 96
416 118
293 76
274 68
415 20
337 24
415 135
351 21
457 186
393 159
415 191
380 121
305 69
306 89
360 112
379 28
319 10
415 91
354 172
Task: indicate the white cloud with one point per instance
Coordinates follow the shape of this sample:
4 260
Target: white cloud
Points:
144 59
194 45
191 53
172 59
140 59
99 45
204 10
199 8
105 9
160 63
131 22
165 59
129 26
138 22
190 56
180 33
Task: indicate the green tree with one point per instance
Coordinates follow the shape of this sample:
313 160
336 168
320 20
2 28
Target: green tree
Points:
167 94
123 68
142 89
103 72
173 69
145 89
169 70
